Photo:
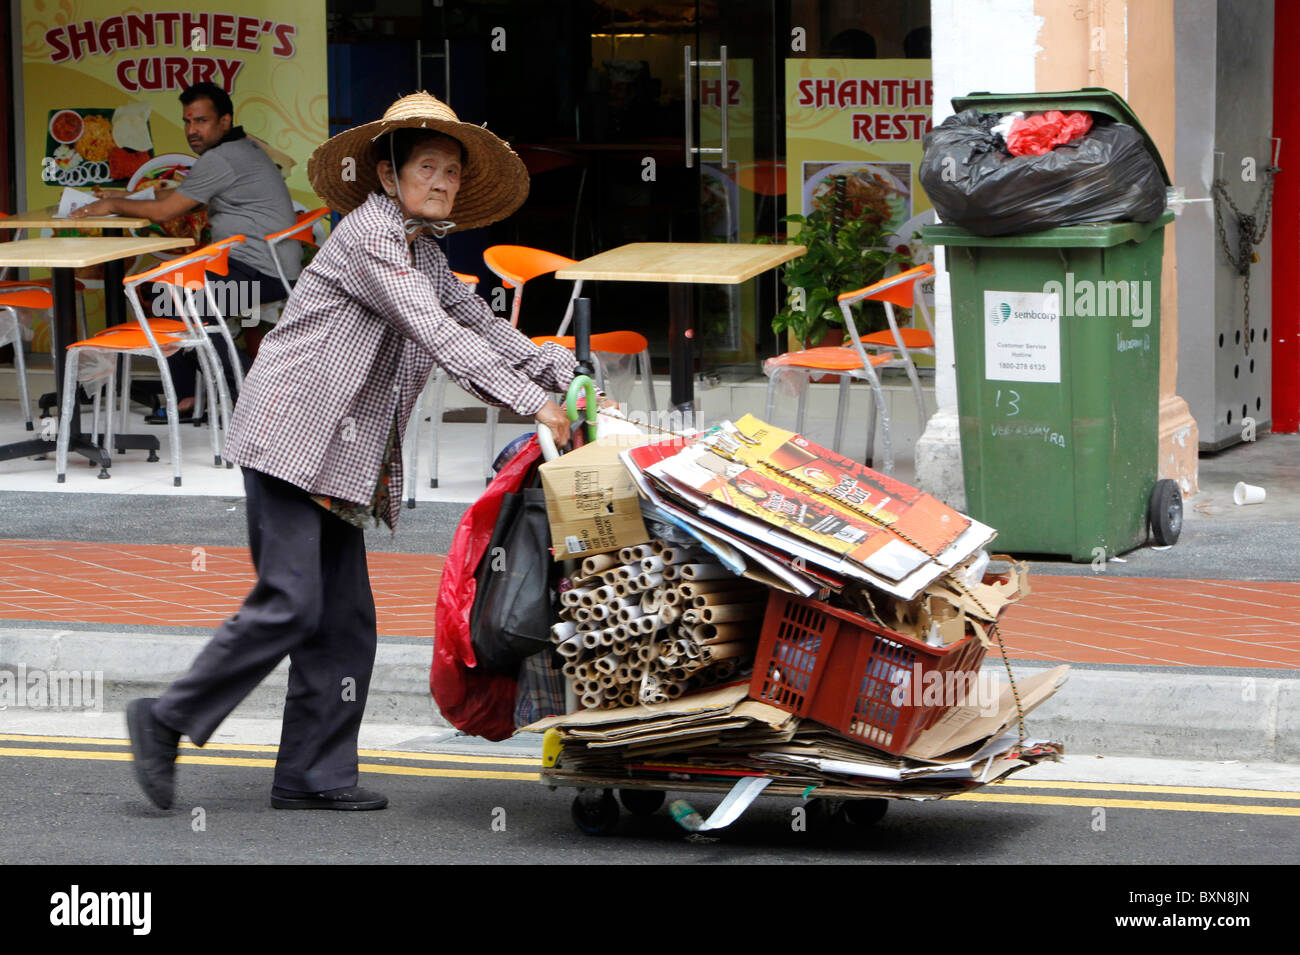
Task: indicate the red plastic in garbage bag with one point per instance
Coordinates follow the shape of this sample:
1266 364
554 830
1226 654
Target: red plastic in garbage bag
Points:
1042 133
475 701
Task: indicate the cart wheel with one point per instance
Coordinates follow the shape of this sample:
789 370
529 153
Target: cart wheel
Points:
595 813
641 802
865 812
1166 512
820 818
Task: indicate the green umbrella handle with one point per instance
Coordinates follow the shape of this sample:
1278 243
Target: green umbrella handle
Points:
585 384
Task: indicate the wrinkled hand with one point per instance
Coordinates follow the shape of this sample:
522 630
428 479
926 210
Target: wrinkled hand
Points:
553 416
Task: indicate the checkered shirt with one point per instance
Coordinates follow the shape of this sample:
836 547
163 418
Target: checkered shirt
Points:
365 325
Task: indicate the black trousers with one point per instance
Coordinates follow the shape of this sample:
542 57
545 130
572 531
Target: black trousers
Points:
311 602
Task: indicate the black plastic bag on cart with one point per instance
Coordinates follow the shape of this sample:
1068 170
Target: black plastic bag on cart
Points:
512 613
1105 175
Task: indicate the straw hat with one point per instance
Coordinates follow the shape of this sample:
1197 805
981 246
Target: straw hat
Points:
493 184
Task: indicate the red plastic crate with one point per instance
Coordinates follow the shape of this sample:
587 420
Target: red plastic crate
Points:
840 669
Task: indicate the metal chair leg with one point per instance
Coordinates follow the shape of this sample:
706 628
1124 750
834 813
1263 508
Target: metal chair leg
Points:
492 415
439 390
840 409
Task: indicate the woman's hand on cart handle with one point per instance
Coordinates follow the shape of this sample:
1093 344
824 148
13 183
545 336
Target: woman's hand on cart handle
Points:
553 416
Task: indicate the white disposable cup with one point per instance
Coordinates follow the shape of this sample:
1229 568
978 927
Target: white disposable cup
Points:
1245 493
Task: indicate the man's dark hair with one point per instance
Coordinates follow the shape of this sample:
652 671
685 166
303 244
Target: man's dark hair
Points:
219 98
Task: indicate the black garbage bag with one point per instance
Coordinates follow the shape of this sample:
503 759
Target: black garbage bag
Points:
512 613
1106 175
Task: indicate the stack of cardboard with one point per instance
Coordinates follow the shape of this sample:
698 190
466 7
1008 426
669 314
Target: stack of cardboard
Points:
652 628
721 735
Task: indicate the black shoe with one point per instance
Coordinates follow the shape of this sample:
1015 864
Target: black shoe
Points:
352 797
153 747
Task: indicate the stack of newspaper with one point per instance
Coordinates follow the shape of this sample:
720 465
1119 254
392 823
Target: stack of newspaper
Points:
779 508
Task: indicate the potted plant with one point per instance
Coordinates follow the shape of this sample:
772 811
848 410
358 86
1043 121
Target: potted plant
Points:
840 258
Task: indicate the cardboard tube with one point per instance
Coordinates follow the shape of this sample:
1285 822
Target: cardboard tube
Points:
693 588
571 598
670 572
628 571
570 670
691 617
599 612
726 613
704 572
608 636
670 615
673 690
563 631
582 614
627 698
725 669
620 647
638 552
598 562
650 600
626 614
599 596
645 653
719 597
722 651
720 632
648 581
591 639
612 692
591 701
671 596
652 565
570 648
680 646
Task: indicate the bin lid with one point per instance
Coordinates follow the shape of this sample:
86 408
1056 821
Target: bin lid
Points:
1090 99
1097 235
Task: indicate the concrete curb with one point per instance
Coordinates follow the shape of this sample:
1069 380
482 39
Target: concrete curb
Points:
1153 712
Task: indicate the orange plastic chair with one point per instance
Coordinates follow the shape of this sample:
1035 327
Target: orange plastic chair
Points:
860 357
11 333
902 290
300 232
516 265
183 277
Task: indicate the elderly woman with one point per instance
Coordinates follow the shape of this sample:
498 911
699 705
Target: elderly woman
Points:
318 431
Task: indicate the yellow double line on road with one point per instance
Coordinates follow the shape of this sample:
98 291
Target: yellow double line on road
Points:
48 747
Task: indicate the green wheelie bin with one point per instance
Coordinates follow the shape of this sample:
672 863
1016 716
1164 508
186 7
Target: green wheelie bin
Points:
1057 342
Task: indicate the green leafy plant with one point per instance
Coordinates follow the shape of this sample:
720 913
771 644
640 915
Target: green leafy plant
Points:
838 260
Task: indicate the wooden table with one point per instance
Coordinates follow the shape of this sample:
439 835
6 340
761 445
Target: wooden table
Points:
682 264
114 305
61 256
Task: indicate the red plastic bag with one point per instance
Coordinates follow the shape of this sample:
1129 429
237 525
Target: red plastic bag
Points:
475 701
1040 134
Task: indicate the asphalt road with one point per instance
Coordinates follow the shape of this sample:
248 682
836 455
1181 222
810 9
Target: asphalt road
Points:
76 802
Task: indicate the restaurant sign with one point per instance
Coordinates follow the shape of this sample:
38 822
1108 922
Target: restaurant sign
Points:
863 120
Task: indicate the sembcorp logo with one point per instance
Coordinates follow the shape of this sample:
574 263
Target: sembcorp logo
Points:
1000 313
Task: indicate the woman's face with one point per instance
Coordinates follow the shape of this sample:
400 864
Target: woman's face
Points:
430 180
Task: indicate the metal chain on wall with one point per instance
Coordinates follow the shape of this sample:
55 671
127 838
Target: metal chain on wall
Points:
1251 230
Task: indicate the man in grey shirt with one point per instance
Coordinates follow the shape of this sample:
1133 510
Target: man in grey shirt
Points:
245 195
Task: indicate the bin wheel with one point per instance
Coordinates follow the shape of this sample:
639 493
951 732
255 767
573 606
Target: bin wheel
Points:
865 812
1166 512
641 802
595 813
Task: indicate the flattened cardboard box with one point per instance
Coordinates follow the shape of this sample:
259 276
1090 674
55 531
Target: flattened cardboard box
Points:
591 502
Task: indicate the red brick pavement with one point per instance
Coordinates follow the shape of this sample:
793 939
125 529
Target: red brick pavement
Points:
1085 619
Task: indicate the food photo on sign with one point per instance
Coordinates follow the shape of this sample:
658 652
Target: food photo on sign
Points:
94 146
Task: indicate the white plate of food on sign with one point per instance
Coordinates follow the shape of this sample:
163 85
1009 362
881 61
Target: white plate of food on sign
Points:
872 190
160 174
